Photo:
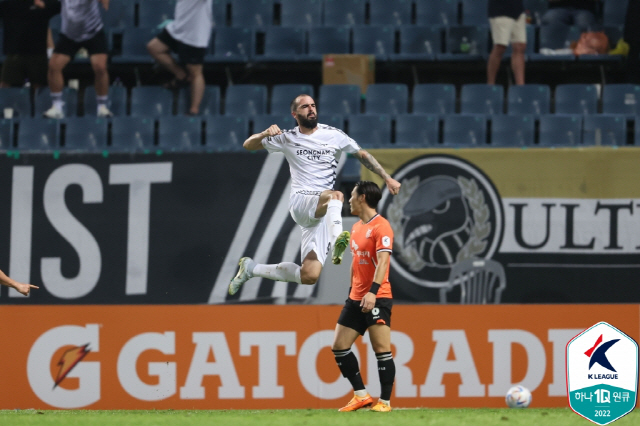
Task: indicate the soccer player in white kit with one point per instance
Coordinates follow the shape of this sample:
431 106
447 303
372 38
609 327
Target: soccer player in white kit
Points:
313 151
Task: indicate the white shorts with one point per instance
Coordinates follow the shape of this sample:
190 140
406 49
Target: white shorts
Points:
315 233
505 30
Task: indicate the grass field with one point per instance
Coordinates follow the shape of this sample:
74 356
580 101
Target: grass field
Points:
400 417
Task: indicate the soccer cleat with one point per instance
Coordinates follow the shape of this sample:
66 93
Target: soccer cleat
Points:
357 403
53 112
381 406
244 274
342 242
103 111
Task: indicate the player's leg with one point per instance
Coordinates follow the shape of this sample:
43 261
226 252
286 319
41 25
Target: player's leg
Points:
56 83
350 326
196 79
101 82
160 49
283 271
330 204
380 336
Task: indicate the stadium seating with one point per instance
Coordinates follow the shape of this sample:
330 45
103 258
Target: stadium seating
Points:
529 99
604 129
295 13
251 13
621 99
434 98
614 11
378 41
6 134
131 134
436 12
151 101
210 104
417 130
119 15
384 12
387 98
536 9
283 44
482 99
38 134
557 36
344 12
42 102
117 100
560 130
512 131
85 134
232 45
226 134
17 98
351 170
246 99
333 120
263 122
419 43
152 13
371 131
576 99
465 43
219 13
464 130
474 12
134 45
339 99
283 94
324 40
180 133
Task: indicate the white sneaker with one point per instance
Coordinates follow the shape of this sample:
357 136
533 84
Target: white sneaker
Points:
103 111
54 112
244 274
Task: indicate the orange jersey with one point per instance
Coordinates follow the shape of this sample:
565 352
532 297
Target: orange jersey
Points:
367 240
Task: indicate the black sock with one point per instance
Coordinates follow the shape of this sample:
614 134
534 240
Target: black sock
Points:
348 364
387 374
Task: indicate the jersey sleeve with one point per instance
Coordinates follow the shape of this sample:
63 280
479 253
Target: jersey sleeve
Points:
274 143
347 144
384 237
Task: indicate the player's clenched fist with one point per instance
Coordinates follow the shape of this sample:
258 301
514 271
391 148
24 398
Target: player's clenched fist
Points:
272 131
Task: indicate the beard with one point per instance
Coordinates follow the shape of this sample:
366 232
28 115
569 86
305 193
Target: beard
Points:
309 123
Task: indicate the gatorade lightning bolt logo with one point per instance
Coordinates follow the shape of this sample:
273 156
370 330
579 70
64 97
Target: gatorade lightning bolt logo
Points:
69 360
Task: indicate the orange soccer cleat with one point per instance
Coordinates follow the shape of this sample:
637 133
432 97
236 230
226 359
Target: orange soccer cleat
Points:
381 406
357 403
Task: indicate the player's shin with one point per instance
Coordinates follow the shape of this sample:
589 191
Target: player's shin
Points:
348 364
285 271
334 215
386 373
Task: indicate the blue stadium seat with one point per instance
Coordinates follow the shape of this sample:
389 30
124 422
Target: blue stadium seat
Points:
560 130
283 94
283 44
436 12
333 120
621 99
482 99
434 98
180 133
38 134
219 13
152 13
117 100
134 45
210 104
474 12
43 102
465 43
262 122
232 45
384 12
339 99
130 134
350 172
604 129
371 131
536 8
555 37
85 134
151 101
245 99
510 131
18 98
387 98
120 15
419 43
344 12
464 130
296 13
576 99
529 99
325 40
417 130
251 13
614 12
226 133
378 41
6 134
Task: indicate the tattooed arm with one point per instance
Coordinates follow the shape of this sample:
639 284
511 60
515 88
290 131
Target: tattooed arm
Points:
372 164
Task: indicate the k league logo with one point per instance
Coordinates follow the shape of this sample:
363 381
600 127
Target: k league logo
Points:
602 373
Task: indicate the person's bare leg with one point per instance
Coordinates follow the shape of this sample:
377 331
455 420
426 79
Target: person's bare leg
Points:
197 87
517 61
160 52
493 63
54 75
101 74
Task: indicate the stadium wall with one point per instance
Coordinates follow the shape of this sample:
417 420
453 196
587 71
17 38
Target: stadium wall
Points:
269 357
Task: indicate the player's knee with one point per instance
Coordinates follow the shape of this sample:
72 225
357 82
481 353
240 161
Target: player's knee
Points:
307 277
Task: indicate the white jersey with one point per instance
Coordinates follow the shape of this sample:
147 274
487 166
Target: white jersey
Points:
313 159
81 19
192 22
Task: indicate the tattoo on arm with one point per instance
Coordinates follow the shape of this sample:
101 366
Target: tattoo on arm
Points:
372 164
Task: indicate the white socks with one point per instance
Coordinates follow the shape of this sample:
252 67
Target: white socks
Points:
334 215
285 271
361 393
56 100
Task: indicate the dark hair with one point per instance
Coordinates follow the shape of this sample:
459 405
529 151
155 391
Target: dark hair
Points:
371 192
294 102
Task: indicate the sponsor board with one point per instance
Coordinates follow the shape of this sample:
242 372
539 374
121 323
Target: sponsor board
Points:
265 357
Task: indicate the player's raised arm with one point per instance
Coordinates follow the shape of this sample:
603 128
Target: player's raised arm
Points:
254 142
21 287
372 164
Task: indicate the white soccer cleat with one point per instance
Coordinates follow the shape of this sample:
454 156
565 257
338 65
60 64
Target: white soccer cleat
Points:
103 111
53 112
244 274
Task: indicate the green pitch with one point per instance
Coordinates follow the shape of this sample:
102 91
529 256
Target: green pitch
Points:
404 417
